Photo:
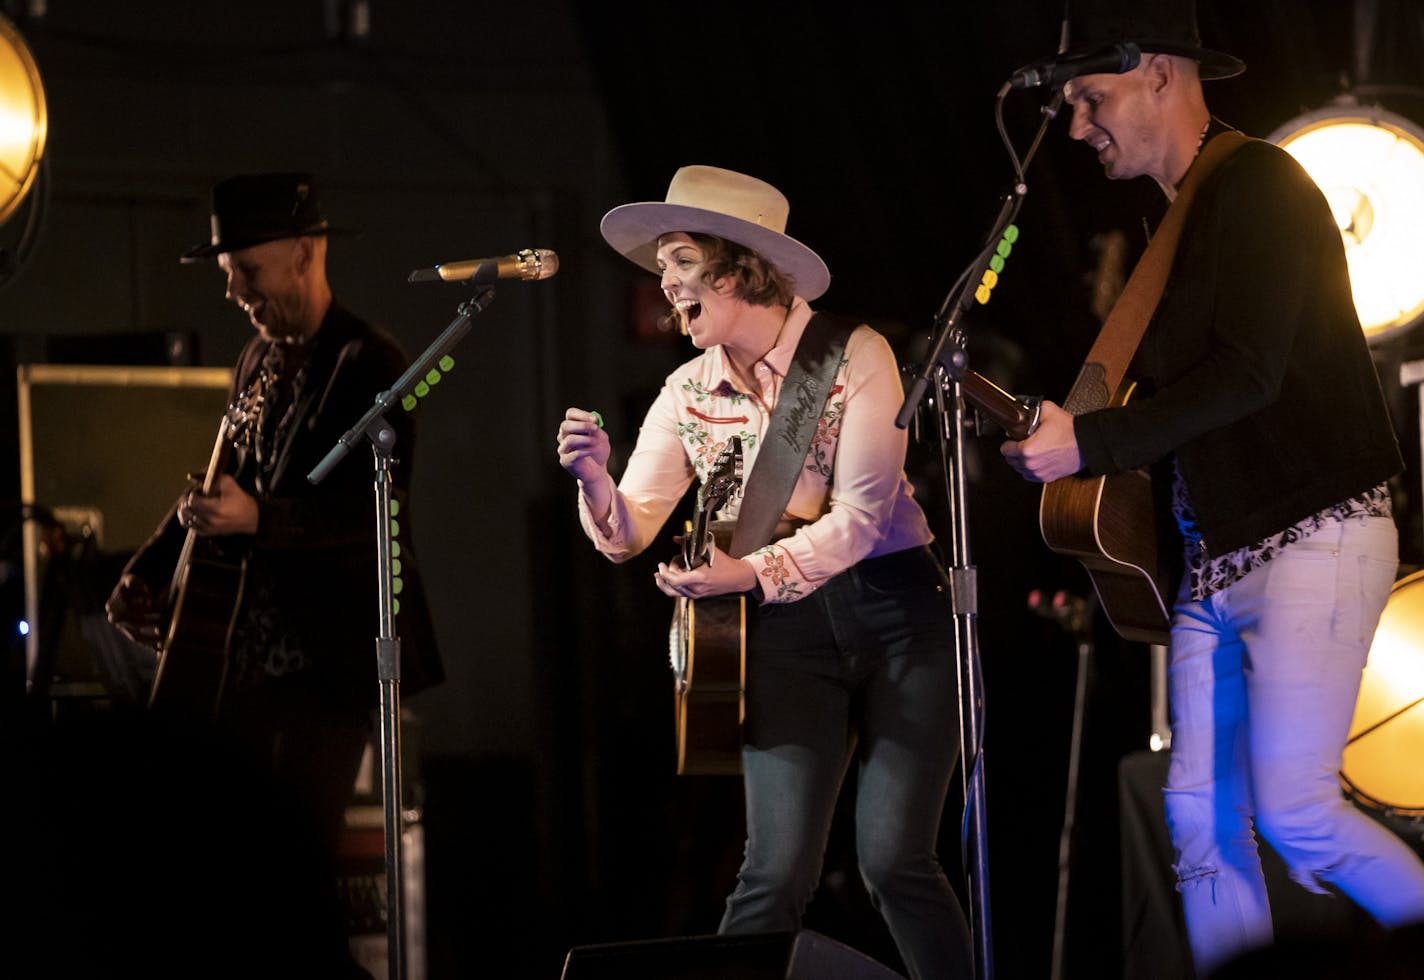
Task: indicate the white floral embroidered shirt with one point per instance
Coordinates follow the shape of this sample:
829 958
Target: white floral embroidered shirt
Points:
852 494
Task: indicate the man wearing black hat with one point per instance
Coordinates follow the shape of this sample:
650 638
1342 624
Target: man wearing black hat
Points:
1260 408
302 679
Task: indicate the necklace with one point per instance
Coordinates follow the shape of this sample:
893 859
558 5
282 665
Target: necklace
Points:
285 370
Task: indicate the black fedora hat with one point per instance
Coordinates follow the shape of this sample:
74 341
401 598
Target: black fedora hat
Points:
250 209
1166 26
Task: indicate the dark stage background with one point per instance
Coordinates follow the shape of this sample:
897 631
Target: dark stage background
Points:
455 130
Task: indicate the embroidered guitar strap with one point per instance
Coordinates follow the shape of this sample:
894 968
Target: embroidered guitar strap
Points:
793 424
1117 342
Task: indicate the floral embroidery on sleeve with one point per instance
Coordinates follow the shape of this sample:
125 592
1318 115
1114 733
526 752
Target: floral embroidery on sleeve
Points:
776 572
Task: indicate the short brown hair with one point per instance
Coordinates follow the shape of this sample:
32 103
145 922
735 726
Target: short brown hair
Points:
755 280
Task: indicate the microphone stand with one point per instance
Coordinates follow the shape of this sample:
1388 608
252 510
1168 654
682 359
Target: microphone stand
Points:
946 359
1075 616
374 427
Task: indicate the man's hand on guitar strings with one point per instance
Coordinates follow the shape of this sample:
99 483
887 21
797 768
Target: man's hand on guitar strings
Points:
1051 452
722 575
136 612
231 510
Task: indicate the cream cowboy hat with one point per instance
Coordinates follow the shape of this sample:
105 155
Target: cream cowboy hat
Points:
712 201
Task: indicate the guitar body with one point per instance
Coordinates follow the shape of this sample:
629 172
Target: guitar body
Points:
1109 523
709 649
192 662
205 593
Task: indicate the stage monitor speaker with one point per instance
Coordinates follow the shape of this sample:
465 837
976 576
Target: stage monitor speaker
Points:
1154 937
803 955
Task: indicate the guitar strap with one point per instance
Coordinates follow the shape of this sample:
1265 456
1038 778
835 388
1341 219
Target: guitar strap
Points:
794 421
1117 342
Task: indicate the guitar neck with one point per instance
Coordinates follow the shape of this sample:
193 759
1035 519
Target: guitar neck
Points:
722 481
699 541
692 545
217 462
1017 418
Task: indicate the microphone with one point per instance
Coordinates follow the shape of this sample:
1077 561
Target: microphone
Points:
529 263
1054 71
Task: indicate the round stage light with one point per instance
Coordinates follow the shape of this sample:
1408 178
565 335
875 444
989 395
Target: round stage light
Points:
24 121
1381 761
1369 163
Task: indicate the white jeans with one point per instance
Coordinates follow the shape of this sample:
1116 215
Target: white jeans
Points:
1263 678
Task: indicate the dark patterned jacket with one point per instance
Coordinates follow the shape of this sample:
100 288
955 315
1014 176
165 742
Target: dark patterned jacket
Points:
1254 371
312 561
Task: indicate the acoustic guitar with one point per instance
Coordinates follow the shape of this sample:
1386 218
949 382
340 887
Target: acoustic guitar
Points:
1108 523
205 593
707 642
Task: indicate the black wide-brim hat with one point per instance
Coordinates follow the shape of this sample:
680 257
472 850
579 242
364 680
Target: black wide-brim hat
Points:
1165 26
254 208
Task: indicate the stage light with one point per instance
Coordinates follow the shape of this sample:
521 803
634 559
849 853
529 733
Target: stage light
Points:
1369 163
24 121
1380 766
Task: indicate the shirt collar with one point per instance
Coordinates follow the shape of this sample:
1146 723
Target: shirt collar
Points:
778 358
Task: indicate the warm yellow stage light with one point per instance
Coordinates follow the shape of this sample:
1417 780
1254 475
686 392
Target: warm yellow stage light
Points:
1370 165
24 122
1382 760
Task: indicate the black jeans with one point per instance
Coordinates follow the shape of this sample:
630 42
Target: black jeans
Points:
863 668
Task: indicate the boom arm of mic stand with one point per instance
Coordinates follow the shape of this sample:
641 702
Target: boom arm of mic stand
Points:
382 437
960 298
954 305
403 386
